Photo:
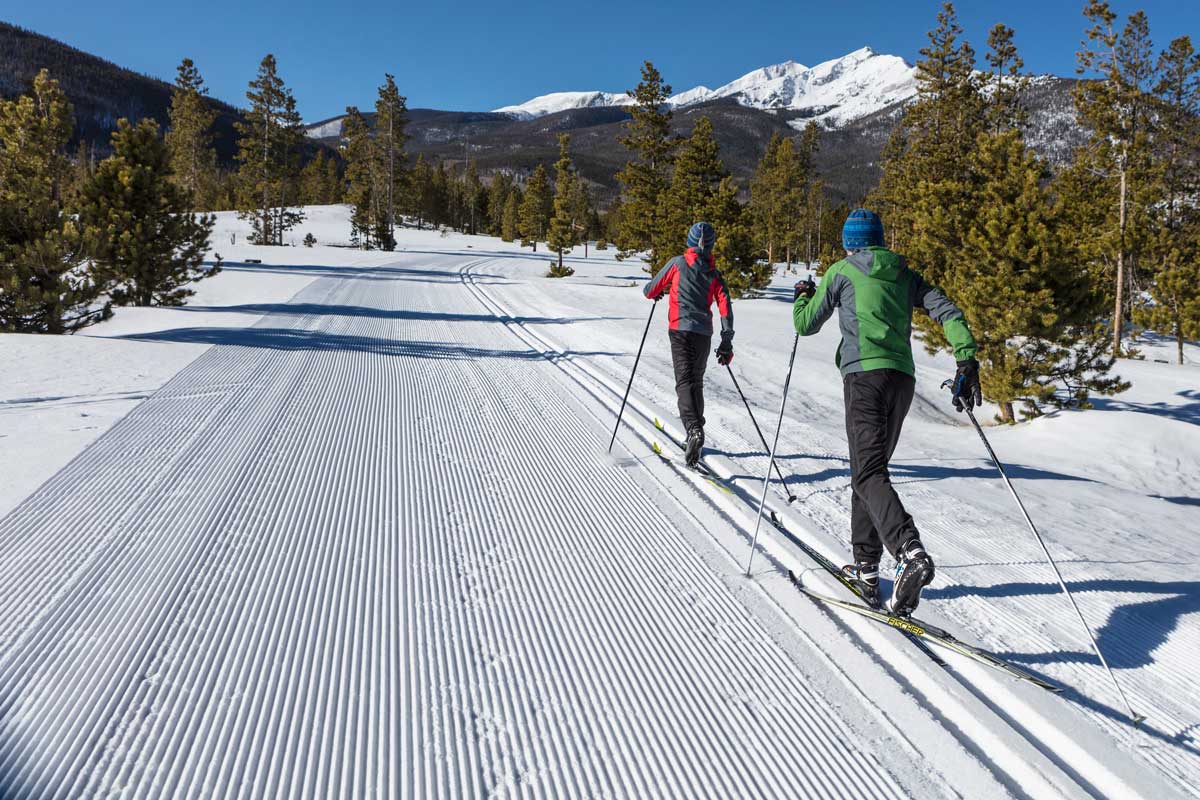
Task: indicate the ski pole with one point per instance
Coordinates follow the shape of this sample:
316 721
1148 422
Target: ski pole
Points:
791 497
1134 716
621 413
767 477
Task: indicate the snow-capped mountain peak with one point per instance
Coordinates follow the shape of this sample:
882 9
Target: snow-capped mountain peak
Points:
833 92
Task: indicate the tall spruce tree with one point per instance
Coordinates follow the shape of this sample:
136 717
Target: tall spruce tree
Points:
1116 106
510 227
497 196
391 121
359 152
562 234
647 174
148 245
689 197
45 285
535 208
189 137
925 193
269 141
1174 292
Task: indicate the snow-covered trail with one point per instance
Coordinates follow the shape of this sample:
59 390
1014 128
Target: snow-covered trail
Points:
367 547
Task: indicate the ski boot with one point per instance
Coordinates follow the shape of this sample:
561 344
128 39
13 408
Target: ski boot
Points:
695 442
864 575
914 571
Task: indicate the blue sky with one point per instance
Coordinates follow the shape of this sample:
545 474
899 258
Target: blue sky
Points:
477 55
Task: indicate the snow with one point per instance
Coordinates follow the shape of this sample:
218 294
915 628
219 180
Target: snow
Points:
344 525
834 92
562 101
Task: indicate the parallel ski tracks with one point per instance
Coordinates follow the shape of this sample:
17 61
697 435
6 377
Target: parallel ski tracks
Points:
1174 762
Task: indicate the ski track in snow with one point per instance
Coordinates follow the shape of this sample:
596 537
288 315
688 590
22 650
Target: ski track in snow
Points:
1038 624
369 548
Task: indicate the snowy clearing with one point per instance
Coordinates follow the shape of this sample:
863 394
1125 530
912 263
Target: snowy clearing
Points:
344 526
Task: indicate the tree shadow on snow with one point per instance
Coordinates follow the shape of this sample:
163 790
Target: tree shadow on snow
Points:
1130 635
300 339
903 472
320 309
1188 412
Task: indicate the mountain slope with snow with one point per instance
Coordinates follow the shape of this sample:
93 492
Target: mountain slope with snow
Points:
834 92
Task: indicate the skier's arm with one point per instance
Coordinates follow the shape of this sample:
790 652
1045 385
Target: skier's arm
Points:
948 315
661 282
720 293
810 313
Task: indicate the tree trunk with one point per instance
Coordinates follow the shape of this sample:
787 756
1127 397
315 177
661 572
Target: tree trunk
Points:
1119 308
1179 342
771 254
1006 413
560 260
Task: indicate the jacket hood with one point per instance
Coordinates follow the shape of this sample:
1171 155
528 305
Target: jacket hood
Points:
878 262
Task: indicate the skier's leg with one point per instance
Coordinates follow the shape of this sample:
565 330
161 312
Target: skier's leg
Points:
868 412
682 359
702 344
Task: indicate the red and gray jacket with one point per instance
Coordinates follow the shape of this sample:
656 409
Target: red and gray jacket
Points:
693 284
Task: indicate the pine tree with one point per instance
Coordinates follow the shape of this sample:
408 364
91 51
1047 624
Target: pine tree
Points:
1174 307
148 244
647 174
1005 83
270 137
562 234
391 121
1117 109
320 183
361 178
497 198
925 193
509 220
698 171
189 136
735 251
473 198
45 286
535 209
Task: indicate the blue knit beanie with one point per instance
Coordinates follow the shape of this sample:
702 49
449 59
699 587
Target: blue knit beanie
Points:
702 237
863 228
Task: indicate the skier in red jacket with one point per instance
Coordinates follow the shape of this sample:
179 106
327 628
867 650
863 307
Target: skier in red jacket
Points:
693 284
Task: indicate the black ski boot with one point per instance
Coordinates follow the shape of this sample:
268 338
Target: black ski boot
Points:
914 571
865 577
695 442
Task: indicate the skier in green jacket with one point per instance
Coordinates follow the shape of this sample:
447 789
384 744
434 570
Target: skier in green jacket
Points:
874 292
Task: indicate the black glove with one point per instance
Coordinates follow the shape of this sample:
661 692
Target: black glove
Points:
804 288
965 391
725 351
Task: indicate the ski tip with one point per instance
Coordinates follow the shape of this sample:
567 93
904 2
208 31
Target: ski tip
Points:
657 450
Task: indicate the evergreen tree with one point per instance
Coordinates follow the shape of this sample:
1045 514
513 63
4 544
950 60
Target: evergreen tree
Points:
535 209
735 251
1117 108
497 198
1174 293
1005 83
391 120
510 219
270 137
189 136
698 171
647 174
45 286
358 150
320 183
473 198
420 190
147 243
562 234
926 190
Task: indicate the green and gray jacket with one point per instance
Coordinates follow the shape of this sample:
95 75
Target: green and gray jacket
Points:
875 293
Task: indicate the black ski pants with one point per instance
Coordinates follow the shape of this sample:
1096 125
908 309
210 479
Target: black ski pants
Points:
689 355
876 404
